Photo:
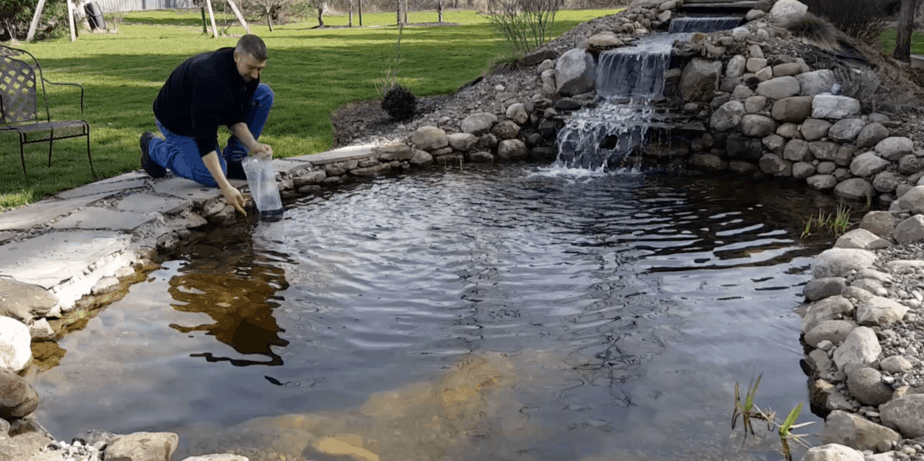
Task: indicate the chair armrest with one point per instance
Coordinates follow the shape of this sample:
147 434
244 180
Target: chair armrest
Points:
69 84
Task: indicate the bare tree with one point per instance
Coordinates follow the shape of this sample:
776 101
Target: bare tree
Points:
905 27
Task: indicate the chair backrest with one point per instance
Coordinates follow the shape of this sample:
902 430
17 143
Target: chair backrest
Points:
18 91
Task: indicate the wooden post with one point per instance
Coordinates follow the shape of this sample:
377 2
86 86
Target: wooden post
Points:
35 20
70 20
351 13
360 13
439 10
240 17
205 27
208 4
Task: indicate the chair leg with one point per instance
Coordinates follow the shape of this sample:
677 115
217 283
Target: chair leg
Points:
50 144
22 157
90 156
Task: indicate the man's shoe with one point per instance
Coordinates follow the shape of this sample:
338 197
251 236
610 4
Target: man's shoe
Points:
149 165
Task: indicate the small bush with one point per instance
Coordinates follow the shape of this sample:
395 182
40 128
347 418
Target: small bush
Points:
817 31
864 20
400 103
875 89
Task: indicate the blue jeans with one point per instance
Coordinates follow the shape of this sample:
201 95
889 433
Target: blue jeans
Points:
180 155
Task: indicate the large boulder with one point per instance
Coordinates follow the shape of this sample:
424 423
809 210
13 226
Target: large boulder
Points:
905 414
787 13
15 344
868 164
856 432
797 150
894 148
824 150
834 107
758 126
735 67
17 397
429 138
478 123
881 223
708 162
728 116
887 181
823 310
854 189
143 446
575 72
462 142
817 82
775 165
865 384
879 311
861 239
839 262
846 130
913 200
871 134
831 452
506 129
23 446
699 80
512 149
779 88
795 109
743 147
860 349
24 301
517 113
910 230
814 129
835 331
821 182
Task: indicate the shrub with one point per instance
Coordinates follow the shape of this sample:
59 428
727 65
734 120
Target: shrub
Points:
817 31
400 103
15 16
864 20
525 24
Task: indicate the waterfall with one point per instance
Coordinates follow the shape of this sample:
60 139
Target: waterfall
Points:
627 79
706 25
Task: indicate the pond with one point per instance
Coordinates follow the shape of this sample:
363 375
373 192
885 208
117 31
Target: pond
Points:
502 312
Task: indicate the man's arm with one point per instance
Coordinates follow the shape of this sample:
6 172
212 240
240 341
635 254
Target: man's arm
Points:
232 195
242 132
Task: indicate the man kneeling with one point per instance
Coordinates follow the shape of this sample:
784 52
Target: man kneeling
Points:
220 87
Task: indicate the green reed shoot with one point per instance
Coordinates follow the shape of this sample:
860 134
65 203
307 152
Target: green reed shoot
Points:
835 223
749 411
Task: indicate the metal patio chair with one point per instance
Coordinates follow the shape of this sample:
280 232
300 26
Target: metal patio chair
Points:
20 83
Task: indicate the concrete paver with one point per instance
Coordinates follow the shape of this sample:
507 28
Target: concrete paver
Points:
43 212
337 155
53 258
103 187
6 235
289 164
101 218
148 203
125 176
184 188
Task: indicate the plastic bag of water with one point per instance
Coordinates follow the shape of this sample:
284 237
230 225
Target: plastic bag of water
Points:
261 178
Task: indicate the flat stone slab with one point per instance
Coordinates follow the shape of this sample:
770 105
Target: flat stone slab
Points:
6 235
149 203
285 165
103 187
100 218
42 212
49 259
138 174
184 188
338 155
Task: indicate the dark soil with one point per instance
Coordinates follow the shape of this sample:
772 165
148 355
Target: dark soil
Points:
362 119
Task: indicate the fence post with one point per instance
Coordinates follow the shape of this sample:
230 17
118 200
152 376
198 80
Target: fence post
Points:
70 19
240 17
208 4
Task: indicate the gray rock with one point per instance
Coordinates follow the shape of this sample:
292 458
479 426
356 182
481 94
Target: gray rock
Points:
789 69
735 66
548 82
421 159
728 116
879 311
487 141
22 447
754 15
823 150
865 384
548 64
846 130
17 397
604 41
797 150
802 170
830 452
774 143
834 107
41 330
429 138
479 157
860 349
881 223
755 104
757 126
823 394
910 164
743 168
785 14
462 142
795 109
764 74
894 148
835 331
838 262
24 301
856 432
895 364
814 129
774 165
478 123
913 200
217 457
517 113
825 167
910 230
855 189
821 182
708 162
15 345
817 82
506 130
755 64
575 72
887 181
512 149
143 446
780 88
868 164
845 155
906 414
823 310
861 239
871 134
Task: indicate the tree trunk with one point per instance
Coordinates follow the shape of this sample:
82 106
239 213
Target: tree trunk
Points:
439 10
269 19
351 13
35 20
405 13
360 13
398 12
905 27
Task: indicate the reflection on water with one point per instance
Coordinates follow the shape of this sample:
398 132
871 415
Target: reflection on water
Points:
495 314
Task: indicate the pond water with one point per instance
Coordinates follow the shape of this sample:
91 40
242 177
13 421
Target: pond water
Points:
491 313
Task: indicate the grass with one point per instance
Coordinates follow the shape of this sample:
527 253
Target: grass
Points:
312 71
888 41
835 223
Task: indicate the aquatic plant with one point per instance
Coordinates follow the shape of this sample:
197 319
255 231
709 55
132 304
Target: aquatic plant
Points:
749 411
835 223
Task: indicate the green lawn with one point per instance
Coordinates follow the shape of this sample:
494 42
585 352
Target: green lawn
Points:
312 71
888 41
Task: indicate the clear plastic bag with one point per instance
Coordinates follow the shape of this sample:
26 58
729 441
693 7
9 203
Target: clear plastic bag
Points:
261 178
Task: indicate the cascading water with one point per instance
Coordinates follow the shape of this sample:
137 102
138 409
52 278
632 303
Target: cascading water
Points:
705 25
627 81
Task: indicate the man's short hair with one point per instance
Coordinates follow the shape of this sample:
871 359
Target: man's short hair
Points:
252 45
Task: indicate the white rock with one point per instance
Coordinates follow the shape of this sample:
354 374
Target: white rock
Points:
15 345
906 414
839 262
879 311
860 349
895 364
832 452
786 13
861 239
834 107
478 123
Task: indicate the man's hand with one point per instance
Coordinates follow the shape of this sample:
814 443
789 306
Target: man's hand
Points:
235 198
261 150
